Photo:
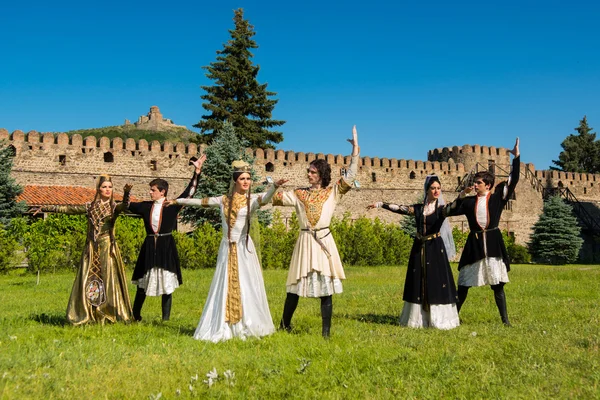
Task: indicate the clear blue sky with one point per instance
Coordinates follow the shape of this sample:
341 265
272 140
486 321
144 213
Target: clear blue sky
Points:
411 75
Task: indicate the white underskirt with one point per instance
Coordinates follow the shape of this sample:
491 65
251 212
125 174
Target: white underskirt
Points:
439 316
316 285
157 282
487 271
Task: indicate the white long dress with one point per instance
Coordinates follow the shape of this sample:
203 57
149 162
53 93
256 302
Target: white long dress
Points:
236 305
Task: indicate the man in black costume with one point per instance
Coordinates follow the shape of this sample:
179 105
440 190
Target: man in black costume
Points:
484 260
157 271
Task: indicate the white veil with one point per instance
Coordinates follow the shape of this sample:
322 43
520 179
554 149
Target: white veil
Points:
445 231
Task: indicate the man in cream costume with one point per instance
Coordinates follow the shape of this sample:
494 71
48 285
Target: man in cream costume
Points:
316 268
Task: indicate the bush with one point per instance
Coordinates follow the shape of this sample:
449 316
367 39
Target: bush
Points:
200 248
9 257
130 235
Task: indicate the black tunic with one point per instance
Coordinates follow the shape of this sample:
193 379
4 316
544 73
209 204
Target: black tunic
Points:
429 278
494 244
160 251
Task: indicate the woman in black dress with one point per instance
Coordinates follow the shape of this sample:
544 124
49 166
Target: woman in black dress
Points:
429 290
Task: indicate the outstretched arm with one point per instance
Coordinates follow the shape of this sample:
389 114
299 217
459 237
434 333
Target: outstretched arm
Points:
125 203
399 209
266 198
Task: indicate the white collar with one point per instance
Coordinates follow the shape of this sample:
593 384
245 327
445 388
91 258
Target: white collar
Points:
160 201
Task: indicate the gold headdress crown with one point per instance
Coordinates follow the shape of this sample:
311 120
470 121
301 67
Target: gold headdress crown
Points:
102 179
241 166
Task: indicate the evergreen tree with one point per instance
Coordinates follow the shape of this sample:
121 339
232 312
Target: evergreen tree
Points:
581 152
556 237
237 96
215 179
9 189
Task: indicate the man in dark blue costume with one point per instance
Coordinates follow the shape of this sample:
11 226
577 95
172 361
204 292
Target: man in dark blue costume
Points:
484 260
157 271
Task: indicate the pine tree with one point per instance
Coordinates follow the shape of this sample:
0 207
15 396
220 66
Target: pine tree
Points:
581 152
9 189
556 237
237 96
216 173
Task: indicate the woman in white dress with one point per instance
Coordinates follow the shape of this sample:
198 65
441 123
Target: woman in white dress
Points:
316 268
237 302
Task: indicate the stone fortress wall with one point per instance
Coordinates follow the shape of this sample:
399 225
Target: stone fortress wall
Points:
57 159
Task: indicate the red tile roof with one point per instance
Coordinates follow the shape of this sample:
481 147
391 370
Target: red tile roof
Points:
35 195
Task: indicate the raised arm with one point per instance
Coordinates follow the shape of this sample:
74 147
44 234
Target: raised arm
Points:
515 173
124 205
191 188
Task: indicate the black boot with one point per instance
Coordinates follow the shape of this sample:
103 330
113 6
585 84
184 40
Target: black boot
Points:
326 312
500 298
291 302
167 299
462 296
140 297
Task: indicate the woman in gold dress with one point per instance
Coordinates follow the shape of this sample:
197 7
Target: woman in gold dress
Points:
99 292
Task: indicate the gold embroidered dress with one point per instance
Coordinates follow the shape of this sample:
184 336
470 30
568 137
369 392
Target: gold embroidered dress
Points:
236 305
99 291
316 268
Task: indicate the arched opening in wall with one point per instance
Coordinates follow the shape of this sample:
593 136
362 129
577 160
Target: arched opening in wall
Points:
62 159
109 157
12 151
412 175
560 184
269 167
153 165
373 176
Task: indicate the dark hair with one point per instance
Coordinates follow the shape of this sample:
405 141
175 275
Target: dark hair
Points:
431 180
237 174
324 170
161 185
486 177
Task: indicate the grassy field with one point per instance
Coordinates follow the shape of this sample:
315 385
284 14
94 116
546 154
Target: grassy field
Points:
550 352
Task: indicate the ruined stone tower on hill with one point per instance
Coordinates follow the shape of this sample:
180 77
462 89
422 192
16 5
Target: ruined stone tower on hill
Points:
154 121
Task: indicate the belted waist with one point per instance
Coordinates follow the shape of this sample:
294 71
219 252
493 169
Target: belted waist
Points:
427 237
487 230
314 230
159 234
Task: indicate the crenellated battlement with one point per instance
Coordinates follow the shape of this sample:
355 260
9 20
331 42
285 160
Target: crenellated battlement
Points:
39 140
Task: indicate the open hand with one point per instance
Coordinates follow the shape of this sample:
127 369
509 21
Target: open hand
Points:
354 142
515 151
199 162
127 187
168 203
281 182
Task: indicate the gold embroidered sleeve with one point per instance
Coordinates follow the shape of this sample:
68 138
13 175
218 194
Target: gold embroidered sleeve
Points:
278 199
343 187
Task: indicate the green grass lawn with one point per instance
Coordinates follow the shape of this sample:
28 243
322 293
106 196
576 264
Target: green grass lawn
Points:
550 352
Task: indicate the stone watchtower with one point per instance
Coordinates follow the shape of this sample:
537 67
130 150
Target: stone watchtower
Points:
154 121
473 158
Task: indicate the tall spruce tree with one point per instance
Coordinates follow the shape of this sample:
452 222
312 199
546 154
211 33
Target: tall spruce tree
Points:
555 238
9 189
581 152
237 96
215 179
